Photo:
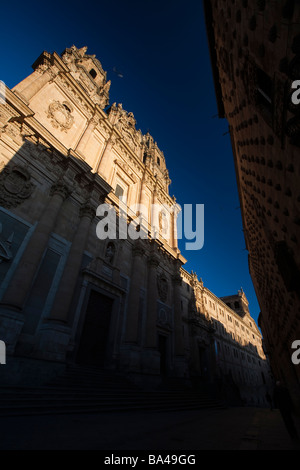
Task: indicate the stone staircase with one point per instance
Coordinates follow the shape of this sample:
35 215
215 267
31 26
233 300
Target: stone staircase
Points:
90 390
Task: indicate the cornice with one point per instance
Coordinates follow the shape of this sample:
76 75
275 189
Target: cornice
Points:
17 103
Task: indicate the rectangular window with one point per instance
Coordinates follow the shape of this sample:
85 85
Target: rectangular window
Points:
119 192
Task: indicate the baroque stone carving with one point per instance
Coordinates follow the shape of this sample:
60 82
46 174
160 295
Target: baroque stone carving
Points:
80 63
162 287
60 115
61 188
88 211
126 168
15 186
80 102
162 316
126 125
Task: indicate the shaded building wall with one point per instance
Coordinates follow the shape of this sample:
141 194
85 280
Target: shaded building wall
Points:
225 346
62 157
255 55
65 294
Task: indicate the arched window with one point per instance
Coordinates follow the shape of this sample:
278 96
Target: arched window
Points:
93 73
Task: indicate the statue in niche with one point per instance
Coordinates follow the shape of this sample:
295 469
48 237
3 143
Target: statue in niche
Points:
110 252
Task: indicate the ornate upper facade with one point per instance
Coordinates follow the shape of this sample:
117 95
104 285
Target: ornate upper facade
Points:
68 95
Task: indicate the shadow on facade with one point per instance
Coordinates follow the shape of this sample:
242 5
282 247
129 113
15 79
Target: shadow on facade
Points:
55 277
47 215
222 365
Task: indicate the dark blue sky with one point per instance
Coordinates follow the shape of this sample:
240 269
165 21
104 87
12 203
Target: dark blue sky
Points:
161 49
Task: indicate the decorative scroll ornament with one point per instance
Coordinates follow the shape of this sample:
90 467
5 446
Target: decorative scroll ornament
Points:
60 115
15 186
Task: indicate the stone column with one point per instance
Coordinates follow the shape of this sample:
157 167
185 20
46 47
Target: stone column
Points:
179 344
86 136
152 295
137 275
71 271
42 78
20 285
151 355
130 357
180 364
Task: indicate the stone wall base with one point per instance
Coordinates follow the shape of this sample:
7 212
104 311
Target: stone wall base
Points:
180 367
53 341
28 372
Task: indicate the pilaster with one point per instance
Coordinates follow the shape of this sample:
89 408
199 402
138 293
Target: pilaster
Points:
16 294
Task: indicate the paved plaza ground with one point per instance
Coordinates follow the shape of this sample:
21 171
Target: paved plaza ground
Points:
210 429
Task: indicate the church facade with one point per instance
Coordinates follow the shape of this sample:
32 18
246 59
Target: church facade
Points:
73 290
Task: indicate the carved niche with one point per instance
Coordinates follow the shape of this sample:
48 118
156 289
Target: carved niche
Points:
110 253
15 186
162 287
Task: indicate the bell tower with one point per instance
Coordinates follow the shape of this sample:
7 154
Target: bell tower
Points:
88 72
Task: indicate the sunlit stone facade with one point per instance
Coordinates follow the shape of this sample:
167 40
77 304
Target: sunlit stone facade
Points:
124 302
